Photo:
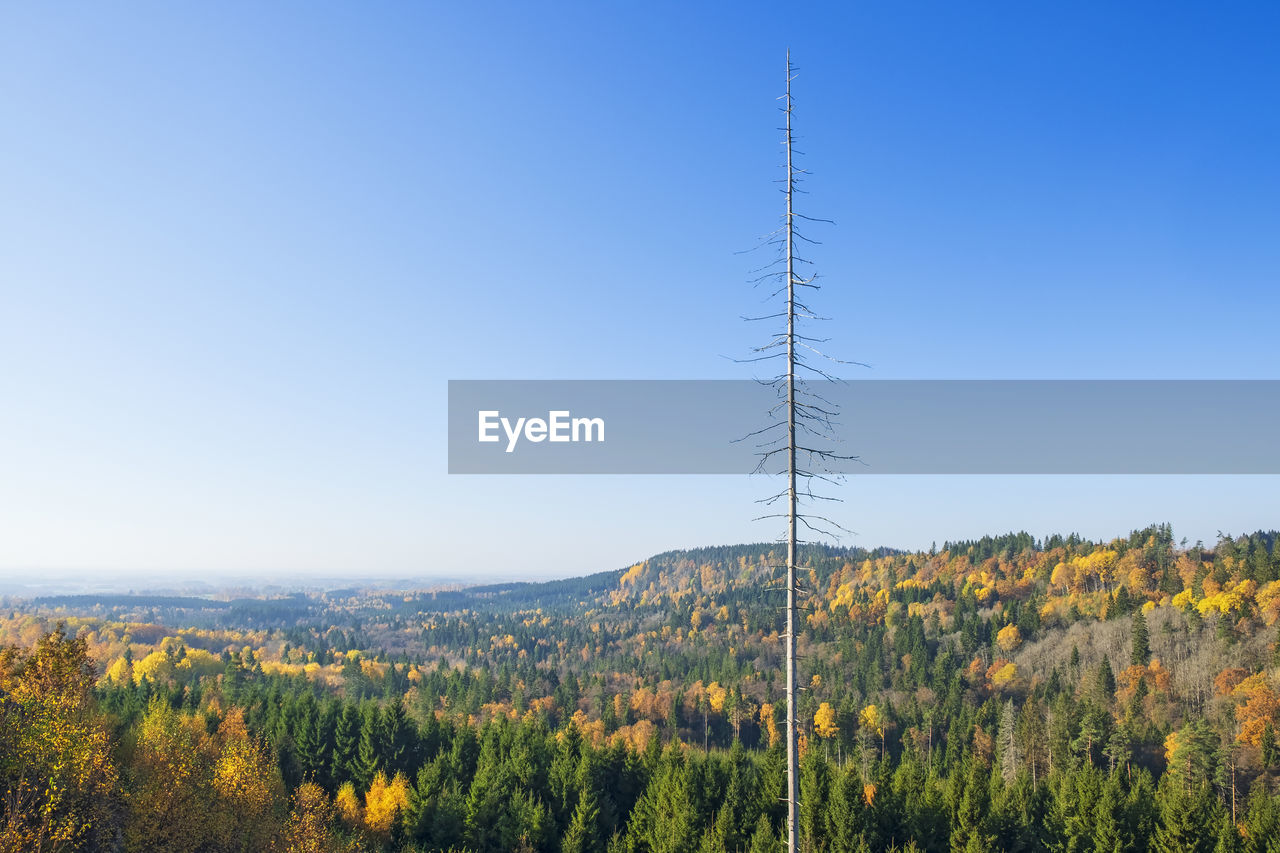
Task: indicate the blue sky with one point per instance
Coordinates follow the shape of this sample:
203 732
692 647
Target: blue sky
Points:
244 246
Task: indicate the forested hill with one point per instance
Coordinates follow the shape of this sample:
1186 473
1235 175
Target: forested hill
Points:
1004 693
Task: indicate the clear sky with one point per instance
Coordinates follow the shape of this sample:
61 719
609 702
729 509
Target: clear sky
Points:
243 246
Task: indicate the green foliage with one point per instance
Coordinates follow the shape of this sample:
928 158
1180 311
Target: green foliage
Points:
1141 652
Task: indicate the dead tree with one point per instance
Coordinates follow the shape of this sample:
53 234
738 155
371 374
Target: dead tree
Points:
808 419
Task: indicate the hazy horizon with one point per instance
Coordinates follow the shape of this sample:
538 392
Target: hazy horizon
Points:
71 581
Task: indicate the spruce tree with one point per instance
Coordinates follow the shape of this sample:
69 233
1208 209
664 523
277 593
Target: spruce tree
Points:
1109 835
368 759
306 738
1228 840
815 783
346 743
1187 821
970 833
846 824
1105 684
716 839
1261 820
400 738
1141 654
583 834
765 839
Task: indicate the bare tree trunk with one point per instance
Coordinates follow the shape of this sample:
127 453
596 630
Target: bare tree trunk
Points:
805 412
793 750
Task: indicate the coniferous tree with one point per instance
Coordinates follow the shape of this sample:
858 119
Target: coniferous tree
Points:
1094 732
1141 812
1105 684
307 740
664 819
1228 838
346 744
765 839
368 758
1261 820
845 819
1267 746
1033 740
400 737
582 835
815 784
1110 833
1141 654
716 838
1187 820
1075 801
970 833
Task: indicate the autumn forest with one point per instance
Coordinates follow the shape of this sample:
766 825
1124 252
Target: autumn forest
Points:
1009 693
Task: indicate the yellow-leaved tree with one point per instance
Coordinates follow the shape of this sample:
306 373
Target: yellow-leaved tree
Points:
310 826
770 724
384 801
1009 638
347 803
824 721
249 790
57 778
170 800
872 721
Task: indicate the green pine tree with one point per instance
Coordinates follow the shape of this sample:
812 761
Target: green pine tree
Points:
1109 830
368 759
583 834
1141 654
1188 822
970 832
716 839
346 743
400 739
815 784
1267 746
765 839
846 821
1228 840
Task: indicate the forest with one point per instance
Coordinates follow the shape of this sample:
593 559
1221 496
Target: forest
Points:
1003 694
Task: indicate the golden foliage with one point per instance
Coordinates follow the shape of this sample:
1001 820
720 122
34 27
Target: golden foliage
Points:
716 695
1227 680
120 672
1002 673
55 752
631 575
824 721
1171 747
169 800
383 800
157 666
1009 638
347 804
310 825
248 787
872 719
769 723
